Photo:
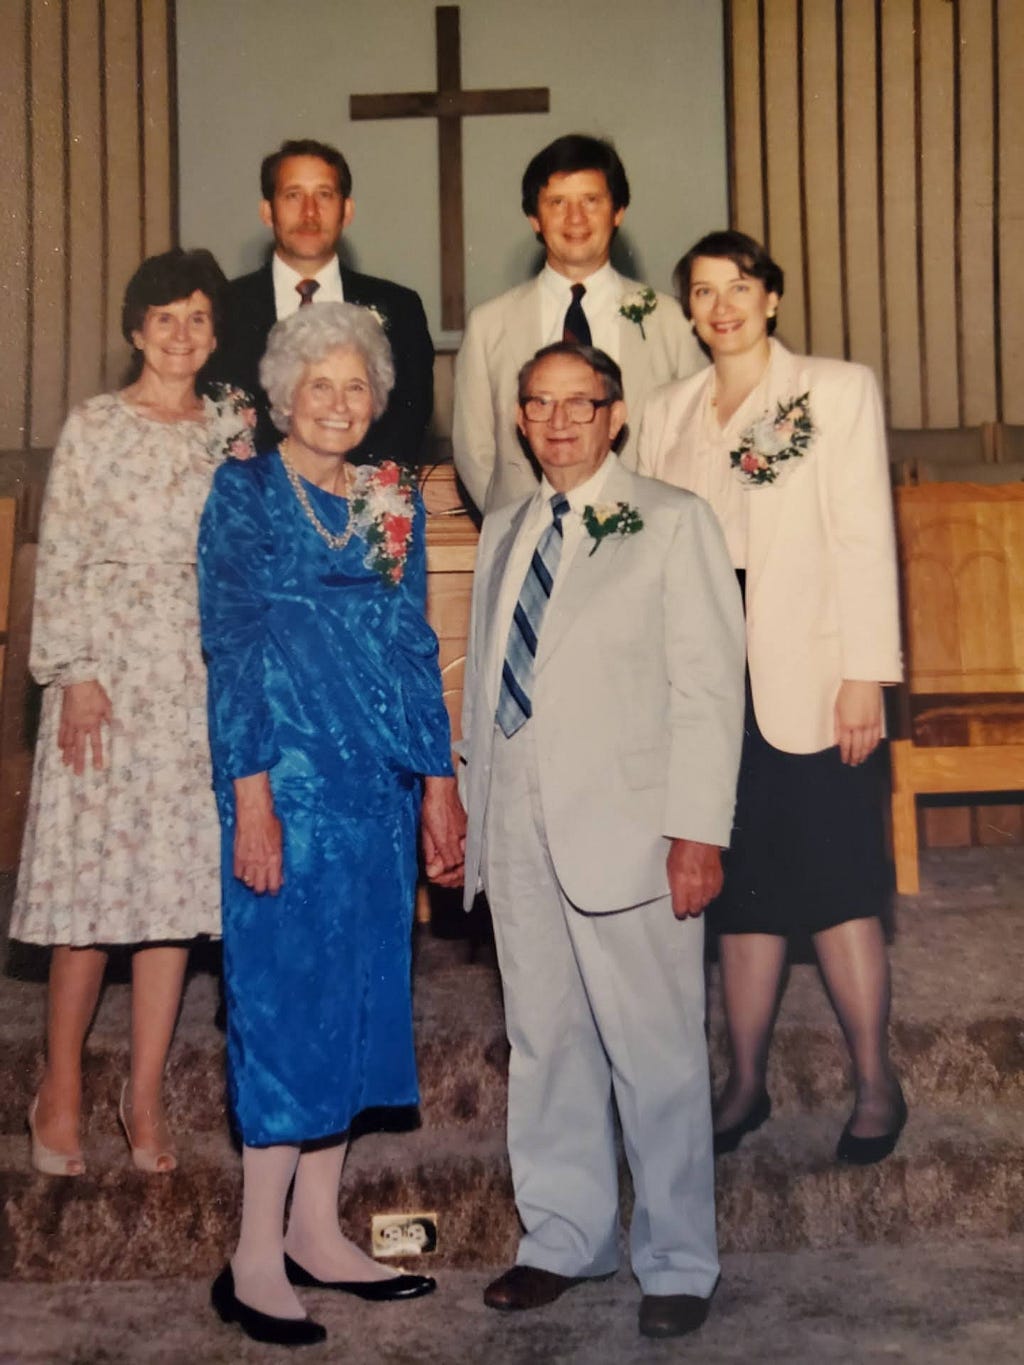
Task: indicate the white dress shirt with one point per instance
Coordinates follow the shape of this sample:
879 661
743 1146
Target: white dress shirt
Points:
538 518
287 299
600 305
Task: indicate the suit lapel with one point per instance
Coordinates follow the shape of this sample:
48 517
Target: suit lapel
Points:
489 603
768 503
584 574
522 324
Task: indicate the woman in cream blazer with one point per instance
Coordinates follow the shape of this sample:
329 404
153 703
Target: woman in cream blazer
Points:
790 452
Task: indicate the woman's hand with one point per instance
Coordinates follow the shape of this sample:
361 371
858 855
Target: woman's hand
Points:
258 847
85 707
444 831
858 723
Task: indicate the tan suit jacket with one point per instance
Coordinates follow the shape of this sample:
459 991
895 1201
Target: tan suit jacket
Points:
501 336
822 602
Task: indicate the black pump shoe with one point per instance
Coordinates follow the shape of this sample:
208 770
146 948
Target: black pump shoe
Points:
261 1326
866 1151
730 1138
376 1291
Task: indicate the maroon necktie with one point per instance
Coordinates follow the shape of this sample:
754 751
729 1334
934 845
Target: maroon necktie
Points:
576 328
306 289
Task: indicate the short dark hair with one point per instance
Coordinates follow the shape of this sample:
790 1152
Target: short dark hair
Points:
173 275
746 254
575 152
599 361
304 146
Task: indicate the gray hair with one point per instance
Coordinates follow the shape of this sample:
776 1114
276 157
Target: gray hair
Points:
307 337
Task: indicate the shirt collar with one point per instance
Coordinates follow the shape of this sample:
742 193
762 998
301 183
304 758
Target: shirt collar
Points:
583 493
603 281
287 278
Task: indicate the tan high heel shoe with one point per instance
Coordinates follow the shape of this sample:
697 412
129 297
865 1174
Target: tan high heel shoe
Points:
159 1160
44 1158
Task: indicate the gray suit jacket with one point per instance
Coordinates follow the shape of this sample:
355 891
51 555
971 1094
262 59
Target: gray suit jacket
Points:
501 335
637 697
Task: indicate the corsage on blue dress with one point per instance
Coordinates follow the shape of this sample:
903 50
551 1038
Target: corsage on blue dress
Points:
323 671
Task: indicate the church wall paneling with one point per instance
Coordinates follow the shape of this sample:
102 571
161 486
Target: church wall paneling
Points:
872 146
87 119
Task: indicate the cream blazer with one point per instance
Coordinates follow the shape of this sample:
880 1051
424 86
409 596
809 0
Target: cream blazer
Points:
822 602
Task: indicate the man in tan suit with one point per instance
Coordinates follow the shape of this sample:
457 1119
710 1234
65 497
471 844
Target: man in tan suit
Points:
575 194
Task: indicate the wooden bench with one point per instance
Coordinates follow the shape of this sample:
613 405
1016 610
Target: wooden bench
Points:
962 560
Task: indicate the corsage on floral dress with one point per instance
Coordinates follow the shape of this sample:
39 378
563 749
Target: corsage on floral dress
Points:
129 853
323 672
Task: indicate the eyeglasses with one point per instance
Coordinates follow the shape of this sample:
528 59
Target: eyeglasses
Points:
581 411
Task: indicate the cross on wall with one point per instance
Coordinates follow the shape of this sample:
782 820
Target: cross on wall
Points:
450 104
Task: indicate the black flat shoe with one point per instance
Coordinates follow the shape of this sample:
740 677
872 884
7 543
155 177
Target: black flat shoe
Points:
261 1326
865 1151
730 1138
376 1291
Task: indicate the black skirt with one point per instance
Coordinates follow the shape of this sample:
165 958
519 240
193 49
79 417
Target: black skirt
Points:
808 849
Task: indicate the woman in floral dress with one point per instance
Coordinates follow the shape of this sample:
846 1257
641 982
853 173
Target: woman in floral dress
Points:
121 844
327 725
790 452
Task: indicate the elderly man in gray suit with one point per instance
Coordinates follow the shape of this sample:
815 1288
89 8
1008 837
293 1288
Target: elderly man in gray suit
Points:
575 194
602 730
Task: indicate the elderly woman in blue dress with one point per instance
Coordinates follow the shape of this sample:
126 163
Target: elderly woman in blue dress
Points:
790 452
330 741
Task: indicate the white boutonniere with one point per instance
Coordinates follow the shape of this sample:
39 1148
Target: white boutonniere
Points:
610 519
770 442
377 316
637 305
231 424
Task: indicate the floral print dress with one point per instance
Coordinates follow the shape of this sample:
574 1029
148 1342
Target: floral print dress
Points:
129 853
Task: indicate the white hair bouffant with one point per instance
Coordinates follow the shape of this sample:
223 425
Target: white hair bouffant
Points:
310 335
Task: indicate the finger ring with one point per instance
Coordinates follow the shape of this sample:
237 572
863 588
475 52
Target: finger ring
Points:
248 881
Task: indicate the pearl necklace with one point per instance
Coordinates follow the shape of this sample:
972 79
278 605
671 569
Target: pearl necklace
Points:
334 542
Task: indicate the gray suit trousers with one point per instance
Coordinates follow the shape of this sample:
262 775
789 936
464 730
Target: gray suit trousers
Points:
598 1006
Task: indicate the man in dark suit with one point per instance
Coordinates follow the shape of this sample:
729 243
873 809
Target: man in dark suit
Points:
307 203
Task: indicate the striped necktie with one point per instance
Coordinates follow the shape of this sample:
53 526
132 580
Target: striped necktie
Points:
514 705
576 328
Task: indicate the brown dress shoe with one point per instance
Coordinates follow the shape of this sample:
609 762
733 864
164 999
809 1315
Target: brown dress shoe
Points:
671 1315
524 1286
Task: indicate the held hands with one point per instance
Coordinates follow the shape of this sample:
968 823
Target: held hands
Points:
85 707
694 876
258 848
443 831
858 720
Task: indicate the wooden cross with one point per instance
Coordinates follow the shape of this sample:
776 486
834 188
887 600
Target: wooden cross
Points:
450 104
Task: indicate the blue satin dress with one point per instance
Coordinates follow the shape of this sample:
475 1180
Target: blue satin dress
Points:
327 677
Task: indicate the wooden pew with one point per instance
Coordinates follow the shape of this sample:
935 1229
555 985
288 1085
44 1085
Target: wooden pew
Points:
962 560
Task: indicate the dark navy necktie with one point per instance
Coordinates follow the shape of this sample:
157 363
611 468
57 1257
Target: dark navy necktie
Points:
576 328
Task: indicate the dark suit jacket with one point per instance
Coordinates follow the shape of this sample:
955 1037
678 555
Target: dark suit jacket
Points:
398 434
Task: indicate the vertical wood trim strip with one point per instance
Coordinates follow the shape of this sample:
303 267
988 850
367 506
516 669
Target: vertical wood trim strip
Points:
14 225
154 76
937 180
782 151
801 163
730 110
958 236
823 179
30 236
844 276
65 34
762 105
997 171
747 150
922 307
173 178
104 205
880 161
123 175
974 246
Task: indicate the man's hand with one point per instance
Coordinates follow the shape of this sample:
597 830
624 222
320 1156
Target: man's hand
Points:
85 708
443 831
694 876
858 720
258 844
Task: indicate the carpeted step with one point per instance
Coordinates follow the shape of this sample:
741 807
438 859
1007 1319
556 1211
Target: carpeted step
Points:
951 1176
957 1060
